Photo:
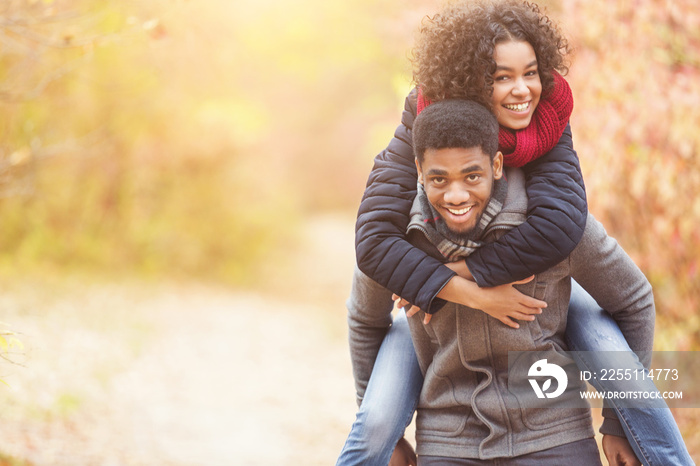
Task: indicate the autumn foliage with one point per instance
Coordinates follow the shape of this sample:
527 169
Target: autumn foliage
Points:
636 82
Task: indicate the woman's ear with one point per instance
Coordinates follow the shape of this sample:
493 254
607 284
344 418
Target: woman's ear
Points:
497 165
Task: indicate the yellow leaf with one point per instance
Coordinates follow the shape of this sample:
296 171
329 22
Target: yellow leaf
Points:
16 343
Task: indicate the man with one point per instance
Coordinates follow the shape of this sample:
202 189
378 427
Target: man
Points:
466 412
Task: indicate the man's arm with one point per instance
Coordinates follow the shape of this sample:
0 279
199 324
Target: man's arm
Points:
369 318
610 276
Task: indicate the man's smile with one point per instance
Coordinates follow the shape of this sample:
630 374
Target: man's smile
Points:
459 212
460 219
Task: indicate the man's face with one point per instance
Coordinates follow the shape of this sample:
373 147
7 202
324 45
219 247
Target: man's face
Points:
458 183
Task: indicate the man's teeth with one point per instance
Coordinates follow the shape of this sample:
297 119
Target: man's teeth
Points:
460 211
518 107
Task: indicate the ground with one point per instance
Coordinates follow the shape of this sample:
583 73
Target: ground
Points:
134 372
171 373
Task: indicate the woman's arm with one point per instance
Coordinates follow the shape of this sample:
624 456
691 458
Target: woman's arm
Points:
557 212
383 253
556 218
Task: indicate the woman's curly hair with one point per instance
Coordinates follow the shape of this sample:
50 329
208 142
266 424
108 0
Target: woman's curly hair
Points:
453 56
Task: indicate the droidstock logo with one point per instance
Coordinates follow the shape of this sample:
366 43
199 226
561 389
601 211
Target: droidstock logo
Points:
542 368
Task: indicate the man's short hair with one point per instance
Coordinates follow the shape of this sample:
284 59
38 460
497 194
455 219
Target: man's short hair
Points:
455 124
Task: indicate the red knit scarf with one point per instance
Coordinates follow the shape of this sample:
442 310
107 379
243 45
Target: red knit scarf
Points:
544 131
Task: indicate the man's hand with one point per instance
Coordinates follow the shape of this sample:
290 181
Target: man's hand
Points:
403 455
618 451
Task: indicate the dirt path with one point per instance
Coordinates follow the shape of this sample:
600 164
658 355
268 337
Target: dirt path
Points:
184 374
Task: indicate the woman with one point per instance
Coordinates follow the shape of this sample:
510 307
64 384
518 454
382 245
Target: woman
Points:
504 55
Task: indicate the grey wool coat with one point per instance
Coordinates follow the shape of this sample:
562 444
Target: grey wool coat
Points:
465 409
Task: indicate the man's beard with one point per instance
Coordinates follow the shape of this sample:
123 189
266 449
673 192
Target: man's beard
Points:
463 235
467 234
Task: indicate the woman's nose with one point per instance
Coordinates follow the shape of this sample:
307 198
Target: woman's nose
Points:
520 88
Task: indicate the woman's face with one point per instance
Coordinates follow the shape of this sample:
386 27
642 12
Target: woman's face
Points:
516 84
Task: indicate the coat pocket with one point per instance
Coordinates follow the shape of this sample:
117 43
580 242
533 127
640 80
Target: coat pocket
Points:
540 292
546 418
439 411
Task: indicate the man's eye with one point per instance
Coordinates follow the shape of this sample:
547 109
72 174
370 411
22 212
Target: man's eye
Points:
438 181
473 178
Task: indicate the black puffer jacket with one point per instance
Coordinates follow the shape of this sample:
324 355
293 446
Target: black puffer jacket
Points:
557 212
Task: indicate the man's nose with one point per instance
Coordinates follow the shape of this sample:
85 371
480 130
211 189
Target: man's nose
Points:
456 194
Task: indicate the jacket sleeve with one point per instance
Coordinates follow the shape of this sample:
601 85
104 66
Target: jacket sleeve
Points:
383 253
369 319
610 276
556 219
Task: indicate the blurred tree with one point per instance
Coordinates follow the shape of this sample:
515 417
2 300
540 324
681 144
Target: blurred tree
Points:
636 81
115 159
189 137
190 132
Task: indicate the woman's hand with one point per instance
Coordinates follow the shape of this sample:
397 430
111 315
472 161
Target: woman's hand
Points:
503 302
506 303
410 309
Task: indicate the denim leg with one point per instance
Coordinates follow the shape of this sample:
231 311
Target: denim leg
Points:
651 430
389 402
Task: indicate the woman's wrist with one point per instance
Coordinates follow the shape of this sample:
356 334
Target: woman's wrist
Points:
461 268
459 290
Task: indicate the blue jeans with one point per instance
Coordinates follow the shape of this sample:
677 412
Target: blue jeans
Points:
389 402
651 431
394 387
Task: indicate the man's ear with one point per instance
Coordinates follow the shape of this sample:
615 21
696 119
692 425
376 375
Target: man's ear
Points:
420 171
497 165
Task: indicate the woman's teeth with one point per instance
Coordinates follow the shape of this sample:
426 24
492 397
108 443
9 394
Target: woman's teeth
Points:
517 107
460 211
